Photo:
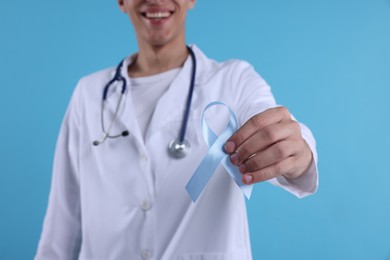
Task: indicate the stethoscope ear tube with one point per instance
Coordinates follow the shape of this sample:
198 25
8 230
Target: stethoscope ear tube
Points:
106 134
117 77
97 142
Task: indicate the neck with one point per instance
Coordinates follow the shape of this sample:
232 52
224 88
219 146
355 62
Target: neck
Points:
152 60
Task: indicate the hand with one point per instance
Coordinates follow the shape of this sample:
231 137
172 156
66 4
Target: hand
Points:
269 145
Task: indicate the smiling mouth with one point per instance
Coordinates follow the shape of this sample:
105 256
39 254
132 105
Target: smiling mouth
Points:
157 15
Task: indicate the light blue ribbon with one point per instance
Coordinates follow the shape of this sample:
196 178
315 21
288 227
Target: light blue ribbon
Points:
215 156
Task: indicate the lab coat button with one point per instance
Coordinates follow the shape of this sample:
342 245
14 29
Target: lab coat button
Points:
146 254
146 205
144 158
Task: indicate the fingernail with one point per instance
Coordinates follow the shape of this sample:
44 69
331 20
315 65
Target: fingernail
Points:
235 158
230 146
248 178
242 168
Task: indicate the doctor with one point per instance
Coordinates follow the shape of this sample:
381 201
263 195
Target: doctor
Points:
125 198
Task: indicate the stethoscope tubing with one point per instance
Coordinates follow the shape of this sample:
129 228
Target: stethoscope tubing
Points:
117 77
189 97
178 148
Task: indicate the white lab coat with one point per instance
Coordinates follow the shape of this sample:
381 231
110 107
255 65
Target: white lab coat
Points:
125 199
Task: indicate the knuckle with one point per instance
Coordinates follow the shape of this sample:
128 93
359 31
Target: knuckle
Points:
257 121
295 126
281 150
244 151
270 135
253 164
301 144
283 110
237 138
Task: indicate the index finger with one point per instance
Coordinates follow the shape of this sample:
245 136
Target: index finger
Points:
269 117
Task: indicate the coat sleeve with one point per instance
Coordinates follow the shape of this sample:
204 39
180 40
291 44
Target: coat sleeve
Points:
255 96
61 234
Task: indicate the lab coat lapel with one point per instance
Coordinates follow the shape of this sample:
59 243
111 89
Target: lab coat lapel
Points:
171 105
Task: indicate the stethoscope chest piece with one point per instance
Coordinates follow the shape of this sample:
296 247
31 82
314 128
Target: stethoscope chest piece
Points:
177 149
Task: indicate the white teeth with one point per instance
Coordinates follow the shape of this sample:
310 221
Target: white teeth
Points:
158 15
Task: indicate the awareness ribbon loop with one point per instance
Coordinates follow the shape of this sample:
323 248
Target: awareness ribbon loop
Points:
215 156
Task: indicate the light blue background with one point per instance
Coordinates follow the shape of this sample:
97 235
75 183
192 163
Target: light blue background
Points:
327 61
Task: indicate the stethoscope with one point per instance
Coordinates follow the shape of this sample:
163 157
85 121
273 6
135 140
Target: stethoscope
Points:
177 148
